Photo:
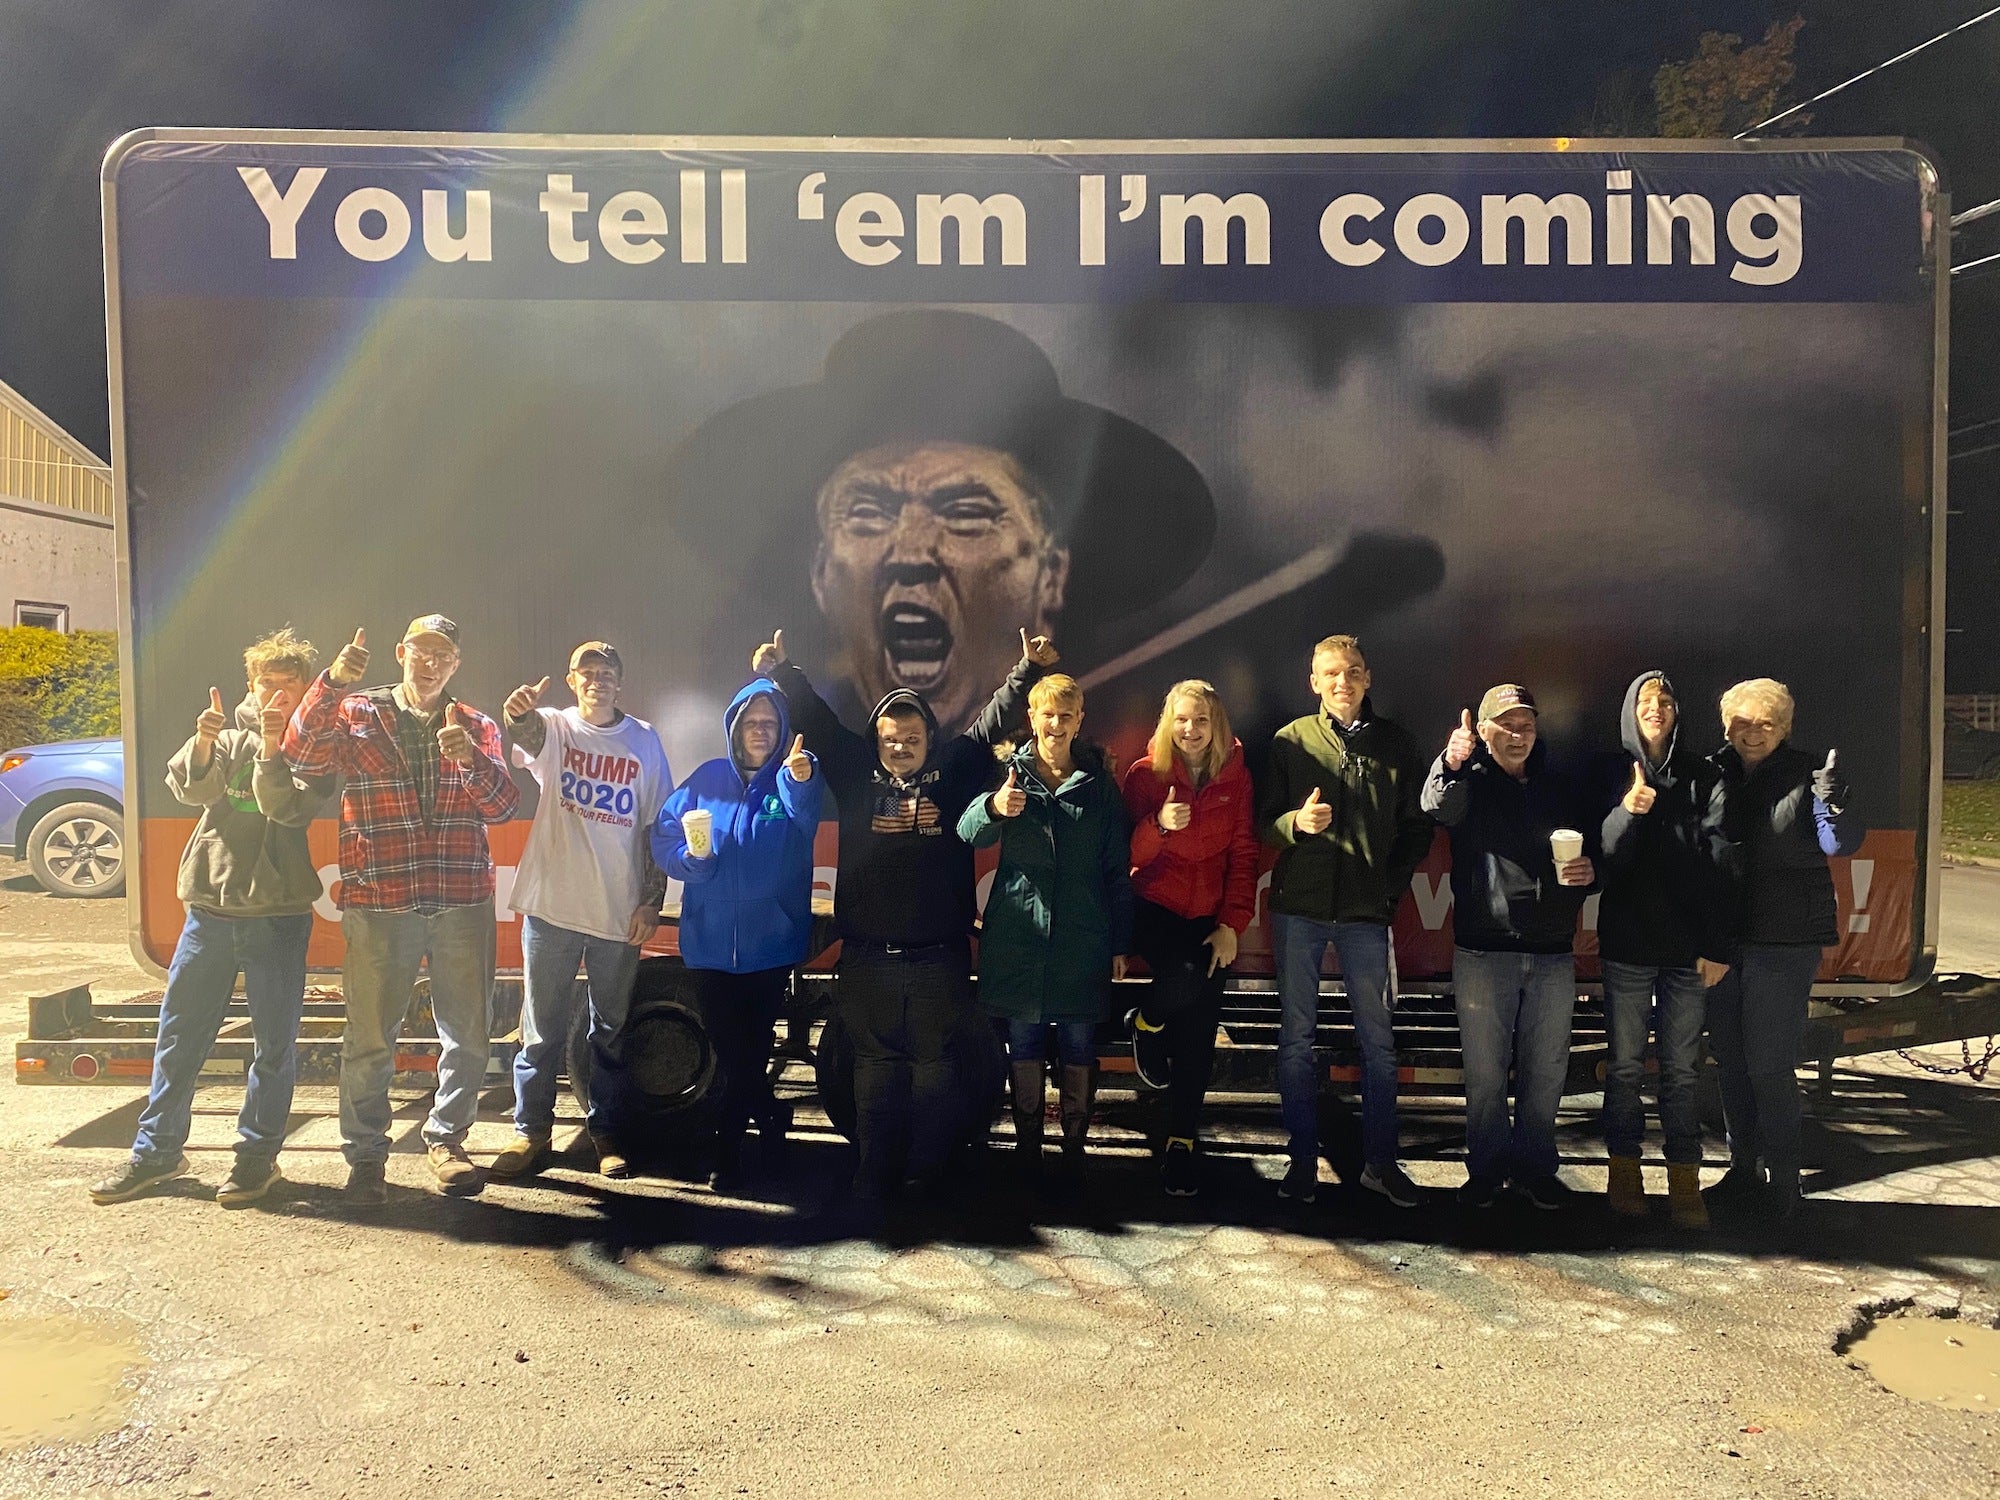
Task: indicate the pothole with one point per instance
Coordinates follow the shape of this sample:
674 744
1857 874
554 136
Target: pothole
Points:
1940 1356
64 1379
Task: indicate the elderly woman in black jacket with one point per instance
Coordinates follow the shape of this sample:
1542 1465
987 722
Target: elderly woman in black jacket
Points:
1781 815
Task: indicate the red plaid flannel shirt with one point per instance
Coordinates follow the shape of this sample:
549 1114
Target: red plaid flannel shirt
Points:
390 860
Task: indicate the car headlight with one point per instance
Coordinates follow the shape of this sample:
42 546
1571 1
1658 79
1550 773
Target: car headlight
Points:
15 758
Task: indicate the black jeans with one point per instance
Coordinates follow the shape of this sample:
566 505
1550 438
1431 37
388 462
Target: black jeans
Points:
1756 1026
901 1010
1186 999
742 1011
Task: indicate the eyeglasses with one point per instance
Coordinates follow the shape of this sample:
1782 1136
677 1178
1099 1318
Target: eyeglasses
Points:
431 659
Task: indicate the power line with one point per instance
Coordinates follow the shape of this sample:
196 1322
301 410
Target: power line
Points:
1890 63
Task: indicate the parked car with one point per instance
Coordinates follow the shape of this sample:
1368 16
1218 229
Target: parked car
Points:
62 809
1969 753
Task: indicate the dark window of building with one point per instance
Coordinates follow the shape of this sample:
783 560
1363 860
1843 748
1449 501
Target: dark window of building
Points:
41 616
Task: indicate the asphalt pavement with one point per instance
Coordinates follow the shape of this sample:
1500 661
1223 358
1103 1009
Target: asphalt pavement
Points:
651 1338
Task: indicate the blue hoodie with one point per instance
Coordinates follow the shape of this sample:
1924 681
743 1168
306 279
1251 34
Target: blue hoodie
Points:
748 906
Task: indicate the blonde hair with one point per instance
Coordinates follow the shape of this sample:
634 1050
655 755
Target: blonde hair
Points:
281 652
1057 687
1765 694
1351 645
1220 739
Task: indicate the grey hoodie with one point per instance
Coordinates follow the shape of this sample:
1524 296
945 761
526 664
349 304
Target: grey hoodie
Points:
247 856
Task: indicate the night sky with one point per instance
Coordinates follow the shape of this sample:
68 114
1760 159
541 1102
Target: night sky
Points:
76 74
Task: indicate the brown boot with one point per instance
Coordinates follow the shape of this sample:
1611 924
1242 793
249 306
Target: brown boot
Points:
1079 1090
1684 1195
1026 1093
1627 1191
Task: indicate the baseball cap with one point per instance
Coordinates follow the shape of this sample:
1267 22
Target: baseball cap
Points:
436 625
597 648
1507 695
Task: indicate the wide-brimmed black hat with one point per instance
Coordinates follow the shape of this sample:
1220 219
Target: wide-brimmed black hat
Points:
1136 515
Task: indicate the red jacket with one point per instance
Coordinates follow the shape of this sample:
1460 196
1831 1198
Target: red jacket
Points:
390 860
1208 868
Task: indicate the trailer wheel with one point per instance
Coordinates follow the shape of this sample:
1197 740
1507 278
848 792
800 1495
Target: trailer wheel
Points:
674 1077
79 850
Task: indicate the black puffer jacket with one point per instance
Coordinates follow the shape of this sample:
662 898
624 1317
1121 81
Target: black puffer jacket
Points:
1663 896
1504 892
1775 839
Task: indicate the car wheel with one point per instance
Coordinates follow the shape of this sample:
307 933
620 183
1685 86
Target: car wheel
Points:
79 850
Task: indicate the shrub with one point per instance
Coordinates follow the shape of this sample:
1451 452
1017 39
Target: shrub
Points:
55 686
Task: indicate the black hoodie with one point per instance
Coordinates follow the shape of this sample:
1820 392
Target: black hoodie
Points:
1505 897
905 875
1663 903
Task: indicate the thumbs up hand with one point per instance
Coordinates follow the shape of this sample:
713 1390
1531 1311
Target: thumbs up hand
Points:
798 764
1010 801
1639 796
1039 649
1828 784
1313 816
352 663
1174 813
1464 740
525 699
211 721
271 721
454 740
770 654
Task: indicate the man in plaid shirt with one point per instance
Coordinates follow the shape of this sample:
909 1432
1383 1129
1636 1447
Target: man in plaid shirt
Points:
424 776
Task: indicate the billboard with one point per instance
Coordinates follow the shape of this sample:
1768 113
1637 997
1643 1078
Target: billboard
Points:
1548 412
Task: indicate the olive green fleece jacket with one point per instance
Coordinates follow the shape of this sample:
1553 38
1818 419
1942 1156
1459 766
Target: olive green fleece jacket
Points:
1359 868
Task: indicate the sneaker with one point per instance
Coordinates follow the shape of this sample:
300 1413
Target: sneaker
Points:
1149 1049
250 1179
727 1175
611 1161
456 1175
1179 1176
365 1187
1480 1192
136 1177
521 1157
1548 1193
1392 1182
1301 1182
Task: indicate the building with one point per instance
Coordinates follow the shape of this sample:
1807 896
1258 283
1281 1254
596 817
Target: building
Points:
57 567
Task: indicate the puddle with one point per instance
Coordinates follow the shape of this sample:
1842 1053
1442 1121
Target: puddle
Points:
62 1379
1947 1361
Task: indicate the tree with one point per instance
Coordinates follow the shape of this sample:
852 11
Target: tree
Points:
1727 87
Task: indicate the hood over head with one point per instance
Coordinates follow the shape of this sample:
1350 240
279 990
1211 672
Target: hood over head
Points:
899 699
1628 722
758 687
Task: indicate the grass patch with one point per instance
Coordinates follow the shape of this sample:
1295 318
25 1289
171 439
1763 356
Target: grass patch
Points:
1972 818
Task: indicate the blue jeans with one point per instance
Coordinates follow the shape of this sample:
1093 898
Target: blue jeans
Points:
1756 1024
550 957
1076 1041
1628 1015
385 949
1299 945
270 953
1513 1012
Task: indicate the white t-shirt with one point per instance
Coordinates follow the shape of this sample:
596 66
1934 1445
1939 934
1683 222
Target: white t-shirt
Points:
585 863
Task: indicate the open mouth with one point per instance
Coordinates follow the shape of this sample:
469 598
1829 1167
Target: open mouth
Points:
916 645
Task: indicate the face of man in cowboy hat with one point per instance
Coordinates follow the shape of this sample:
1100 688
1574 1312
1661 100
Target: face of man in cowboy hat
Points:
932 555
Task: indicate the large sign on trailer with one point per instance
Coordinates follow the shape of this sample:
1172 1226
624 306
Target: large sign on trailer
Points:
1545 412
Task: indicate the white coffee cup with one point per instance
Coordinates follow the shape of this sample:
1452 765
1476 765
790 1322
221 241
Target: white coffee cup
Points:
699 826
1565 844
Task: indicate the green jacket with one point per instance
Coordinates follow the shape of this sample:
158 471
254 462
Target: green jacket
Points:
1061 901
1359 868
